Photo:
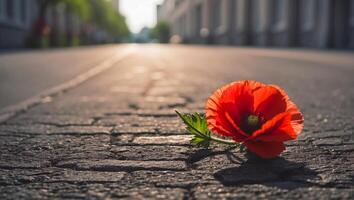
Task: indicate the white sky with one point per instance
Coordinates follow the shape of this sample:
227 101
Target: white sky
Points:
139 13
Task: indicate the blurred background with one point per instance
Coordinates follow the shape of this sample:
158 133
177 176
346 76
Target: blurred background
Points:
304 23
199 26
286 23
57 23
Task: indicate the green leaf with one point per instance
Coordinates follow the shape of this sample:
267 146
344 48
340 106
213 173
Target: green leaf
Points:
199 141
196 125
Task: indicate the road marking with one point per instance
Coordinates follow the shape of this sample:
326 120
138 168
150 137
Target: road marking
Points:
12 110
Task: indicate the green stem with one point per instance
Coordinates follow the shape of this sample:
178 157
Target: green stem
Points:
219 140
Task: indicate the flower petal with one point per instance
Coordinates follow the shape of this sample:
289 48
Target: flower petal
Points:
241 136
297 119
237 100
269 101
226 107
216 120
221 123
265 150
277 129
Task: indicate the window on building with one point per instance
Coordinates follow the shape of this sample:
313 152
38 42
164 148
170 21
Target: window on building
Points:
9 9
240 7
278 11
2 9
308 16
352 11
23 10
217 15
198 19
256 15
351 22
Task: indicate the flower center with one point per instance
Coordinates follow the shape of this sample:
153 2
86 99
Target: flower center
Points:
251 124
253 121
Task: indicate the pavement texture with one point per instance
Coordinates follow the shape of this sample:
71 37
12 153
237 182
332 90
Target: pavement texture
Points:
117 136
43 69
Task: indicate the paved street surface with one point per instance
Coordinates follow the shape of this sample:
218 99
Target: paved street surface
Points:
27 73
116 135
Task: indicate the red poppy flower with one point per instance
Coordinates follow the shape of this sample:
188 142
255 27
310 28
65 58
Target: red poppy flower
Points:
261 116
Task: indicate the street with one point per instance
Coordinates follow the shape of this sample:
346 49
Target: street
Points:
116 135
27 73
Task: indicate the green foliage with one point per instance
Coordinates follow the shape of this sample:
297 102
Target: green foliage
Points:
75 41
80 7
107 18
99 12
161 31
197 126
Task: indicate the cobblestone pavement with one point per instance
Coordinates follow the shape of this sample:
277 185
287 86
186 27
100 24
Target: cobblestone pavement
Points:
116 135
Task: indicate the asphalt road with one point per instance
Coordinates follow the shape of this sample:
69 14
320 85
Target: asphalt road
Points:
116 135
27 73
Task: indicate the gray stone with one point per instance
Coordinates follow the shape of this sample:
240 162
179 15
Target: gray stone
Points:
58 120
326 142
150 152
82 130
50 129
151 193
166 140
122 165
71 176
332 134
27 129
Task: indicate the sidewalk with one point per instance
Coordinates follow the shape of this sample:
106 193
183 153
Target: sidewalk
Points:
116 136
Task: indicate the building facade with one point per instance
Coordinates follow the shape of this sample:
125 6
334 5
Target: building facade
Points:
305 23
18 19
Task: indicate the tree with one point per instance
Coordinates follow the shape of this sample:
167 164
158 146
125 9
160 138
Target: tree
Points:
78 6
39 36
107 18
96 13
161 31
